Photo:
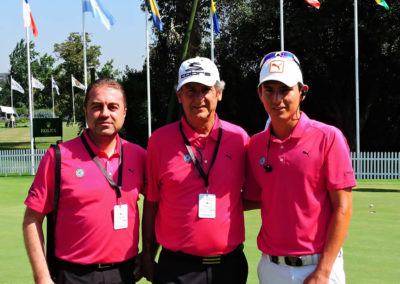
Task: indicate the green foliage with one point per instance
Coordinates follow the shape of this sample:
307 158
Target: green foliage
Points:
322 39
70 52
41 69
108 71
135 127
324 42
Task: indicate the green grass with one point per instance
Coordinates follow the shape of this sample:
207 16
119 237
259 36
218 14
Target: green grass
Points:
371 248
19 137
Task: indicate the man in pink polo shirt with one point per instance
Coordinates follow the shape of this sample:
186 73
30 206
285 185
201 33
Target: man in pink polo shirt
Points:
195 170
299 171
97 225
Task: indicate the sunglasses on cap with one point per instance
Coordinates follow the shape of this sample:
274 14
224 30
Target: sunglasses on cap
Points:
285 54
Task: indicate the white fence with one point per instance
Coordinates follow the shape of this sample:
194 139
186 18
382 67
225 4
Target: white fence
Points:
370 165
18 161
376 165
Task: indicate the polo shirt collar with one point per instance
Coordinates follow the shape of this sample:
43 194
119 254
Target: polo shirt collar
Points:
192 135
298 129
97 151
300 126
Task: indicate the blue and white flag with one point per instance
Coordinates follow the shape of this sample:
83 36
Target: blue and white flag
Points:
98 12
54 85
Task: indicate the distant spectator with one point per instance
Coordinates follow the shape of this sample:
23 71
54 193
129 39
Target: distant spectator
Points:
12 123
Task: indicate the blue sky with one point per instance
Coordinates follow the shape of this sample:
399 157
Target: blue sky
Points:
55 19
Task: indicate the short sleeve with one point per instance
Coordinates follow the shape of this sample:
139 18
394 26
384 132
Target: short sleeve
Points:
41 193
338 168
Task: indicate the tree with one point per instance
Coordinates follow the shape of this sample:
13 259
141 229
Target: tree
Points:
322 39
165 56
135 127
70 52
108 71
41 69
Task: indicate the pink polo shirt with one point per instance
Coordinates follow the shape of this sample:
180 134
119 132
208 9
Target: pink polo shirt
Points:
85 231
296 208
176 184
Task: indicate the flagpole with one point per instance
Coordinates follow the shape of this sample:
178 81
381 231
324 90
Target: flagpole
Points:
84 47
73 100
282 33
148 74
212 34
357 87
52 94
12 103
30 102
33 106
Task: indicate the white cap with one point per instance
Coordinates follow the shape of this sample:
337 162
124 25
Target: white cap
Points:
281 69
199 70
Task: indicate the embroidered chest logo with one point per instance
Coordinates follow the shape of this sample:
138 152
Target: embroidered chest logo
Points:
187 158
80 173
306 153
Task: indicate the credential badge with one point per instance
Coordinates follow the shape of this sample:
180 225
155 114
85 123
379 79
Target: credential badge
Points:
262 161
187 158
79 173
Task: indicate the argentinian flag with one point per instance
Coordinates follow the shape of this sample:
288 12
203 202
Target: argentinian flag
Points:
98 12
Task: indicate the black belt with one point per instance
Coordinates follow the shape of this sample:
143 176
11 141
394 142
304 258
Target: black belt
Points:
63 264
301 260
205 260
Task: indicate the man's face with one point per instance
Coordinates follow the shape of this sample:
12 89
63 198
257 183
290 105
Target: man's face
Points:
280 101
105 111
199 102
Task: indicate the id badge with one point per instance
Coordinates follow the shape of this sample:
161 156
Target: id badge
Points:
207 204
120 216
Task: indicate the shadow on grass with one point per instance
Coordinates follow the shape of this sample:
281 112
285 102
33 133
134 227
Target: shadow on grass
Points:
376 190
13 145
25 145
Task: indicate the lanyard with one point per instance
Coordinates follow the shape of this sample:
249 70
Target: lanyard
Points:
116 187
195 161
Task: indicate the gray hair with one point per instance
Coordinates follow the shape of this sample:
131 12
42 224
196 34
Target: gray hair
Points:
220 85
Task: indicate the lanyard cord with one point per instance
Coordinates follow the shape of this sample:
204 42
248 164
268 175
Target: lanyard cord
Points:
116 187
195 161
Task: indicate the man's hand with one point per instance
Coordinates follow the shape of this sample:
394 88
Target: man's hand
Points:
34 243
317 278
150 245
137 271
148 267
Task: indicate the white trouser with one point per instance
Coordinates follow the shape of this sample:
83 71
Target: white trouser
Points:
271 273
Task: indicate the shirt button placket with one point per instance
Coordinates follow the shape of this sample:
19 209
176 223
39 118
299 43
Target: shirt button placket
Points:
282 155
